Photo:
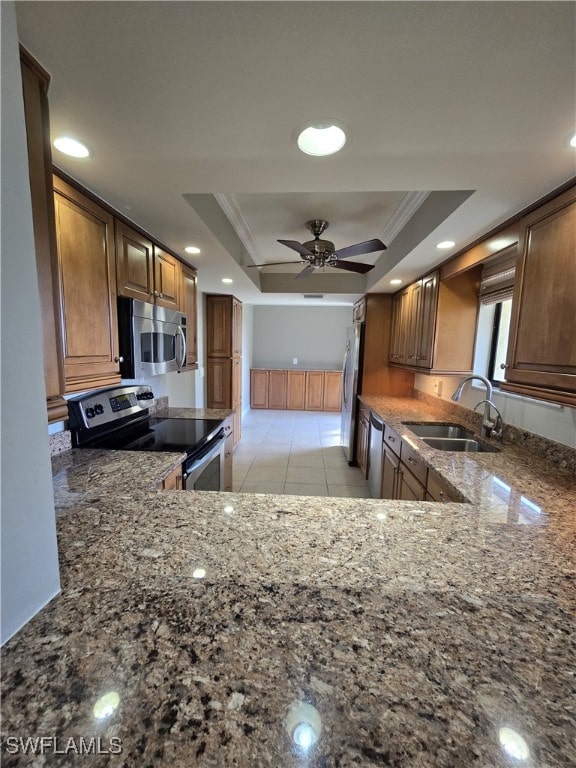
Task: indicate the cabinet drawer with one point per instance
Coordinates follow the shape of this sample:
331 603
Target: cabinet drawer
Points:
439 489
415 464
392 439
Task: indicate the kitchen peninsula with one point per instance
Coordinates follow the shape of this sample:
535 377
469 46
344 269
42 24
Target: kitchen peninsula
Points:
256 630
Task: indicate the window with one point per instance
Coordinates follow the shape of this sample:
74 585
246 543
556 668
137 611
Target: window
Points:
499 341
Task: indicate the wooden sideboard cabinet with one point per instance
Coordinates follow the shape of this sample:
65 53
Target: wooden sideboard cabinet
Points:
300 390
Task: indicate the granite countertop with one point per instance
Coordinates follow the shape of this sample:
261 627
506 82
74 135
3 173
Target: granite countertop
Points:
213 629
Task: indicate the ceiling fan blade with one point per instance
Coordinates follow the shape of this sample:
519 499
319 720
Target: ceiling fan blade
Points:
369 246
273 264
351 266
305 272
296 246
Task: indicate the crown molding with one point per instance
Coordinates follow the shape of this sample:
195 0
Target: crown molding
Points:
404 211
231 210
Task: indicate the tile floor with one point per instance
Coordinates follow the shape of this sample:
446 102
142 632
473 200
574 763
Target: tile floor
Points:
294 453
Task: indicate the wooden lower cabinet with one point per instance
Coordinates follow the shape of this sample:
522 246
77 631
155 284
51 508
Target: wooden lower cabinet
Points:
390 470
282 389
314 390
173 482
237 397
228 451
408 487
362 439
277 390
296 390
332 399
87 279
219 382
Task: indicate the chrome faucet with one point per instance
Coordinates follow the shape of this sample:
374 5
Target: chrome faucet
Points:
491 428
488 426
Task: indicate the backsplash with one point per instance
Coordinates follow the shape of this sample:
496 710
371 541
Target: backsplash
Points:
560 455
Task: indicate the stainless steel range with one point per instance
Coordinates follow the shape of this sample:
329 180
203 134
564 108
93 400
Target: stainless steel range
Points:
119 419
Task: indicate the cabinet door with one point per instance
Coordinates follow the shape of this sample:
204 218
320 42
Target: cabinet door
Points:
542 347
296 391
219 383
409 489
390 464
85 243
400 327
228 450
277 390
236 328
258 388
174 481
218 326
167 271
332 391
35 90
426 319
134 263
237 397
362 442
188 304
314 390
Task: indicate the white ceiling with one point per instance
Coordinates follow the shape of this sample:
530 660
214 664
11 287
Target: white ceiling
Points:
459 114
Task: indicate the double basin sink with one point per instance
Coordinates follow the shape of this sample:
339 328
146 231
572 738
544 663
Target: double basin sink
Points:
449 437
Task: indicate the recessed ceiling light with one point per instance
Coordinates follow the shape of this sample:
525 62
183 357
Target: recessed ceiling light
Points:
192 249
321 138
446 244
396 281
573 141
71 147
227 280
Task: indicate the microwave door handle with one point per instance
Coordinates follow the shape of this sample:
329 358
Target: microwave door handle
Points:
180 333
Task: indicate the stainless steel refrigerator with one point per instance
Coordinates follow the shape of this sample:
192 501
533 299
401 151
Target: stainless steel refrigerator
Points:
351 386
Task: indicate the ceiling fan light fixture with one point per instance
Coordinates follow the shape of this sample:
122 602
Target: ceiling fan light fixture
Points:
320 139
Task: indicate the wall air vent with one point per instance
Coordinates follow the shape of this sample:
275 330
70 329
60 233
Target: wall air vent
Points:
313 295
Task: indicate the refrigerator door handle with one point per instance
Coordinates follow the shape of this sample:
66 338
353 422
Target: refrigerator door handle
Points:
344 373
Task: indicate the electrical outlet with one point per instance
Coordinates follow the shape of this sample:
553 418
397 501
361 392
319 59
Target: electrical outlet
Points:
294 361
438 387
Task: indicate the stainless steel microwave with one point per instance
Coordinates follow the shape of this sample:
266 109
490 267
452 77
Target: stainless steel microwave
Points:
152 339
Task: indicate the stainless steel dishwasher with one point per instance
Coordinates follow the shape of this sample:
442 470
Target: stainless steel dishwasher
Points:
375 456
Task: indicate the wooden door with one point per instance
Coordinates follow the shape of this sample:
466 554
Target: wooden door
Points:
277 390
258 388
188 299
236 328
219 383
167 271
314 390
542 346
35 83
218 325
426 320
332 391
134 263
85 243
296 390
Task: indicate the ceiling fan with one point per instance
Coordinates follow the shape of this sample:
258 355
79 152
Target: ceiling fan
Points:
321 253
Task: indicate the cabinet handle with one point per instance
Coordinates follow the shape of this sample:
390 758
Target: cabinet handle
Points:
161 295
392 439
503 366
119 359
411 460
410 357
156 293
441 494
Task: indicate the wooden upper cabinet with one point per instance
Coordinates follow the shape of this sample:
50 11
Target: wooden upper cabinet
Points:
224 326
188 304
542 343
134 263
434 324
236 327
35 83
87 280
167 271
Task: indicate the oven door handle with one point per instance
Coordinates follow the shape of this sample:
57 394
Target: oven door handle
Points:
204 459
180 333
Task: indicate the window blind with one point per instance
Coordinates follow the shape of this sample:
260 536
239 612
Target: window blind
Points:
497 282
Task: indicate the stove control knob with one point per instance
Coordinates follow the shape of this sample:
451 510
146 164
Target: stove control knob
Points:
90 413
145 396
99 409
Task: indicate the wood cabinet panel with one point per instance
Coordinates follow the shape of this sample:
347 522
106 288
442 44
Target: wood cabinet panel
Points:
167 271
542 345
258 388
228 451
390 470
314 390
85 244
134 263
35 82
277 390
296 390
332 400
219 382
174 481
362 439
409 489
188 304
218 326
236 328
